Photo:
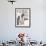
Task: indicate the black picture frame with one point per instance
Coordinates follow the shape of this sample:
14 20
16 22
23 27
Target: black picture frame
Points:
29 24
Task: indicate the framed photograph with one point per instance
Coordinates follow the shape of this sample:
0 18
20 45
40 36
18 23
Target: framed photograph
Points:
22 17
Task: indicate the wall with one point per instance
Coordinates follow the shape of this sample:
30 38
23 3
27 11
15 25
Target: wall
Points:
37 30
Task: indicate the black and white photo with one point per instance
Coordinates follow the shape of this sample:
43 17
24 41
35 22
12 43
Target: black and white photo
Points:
22 17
